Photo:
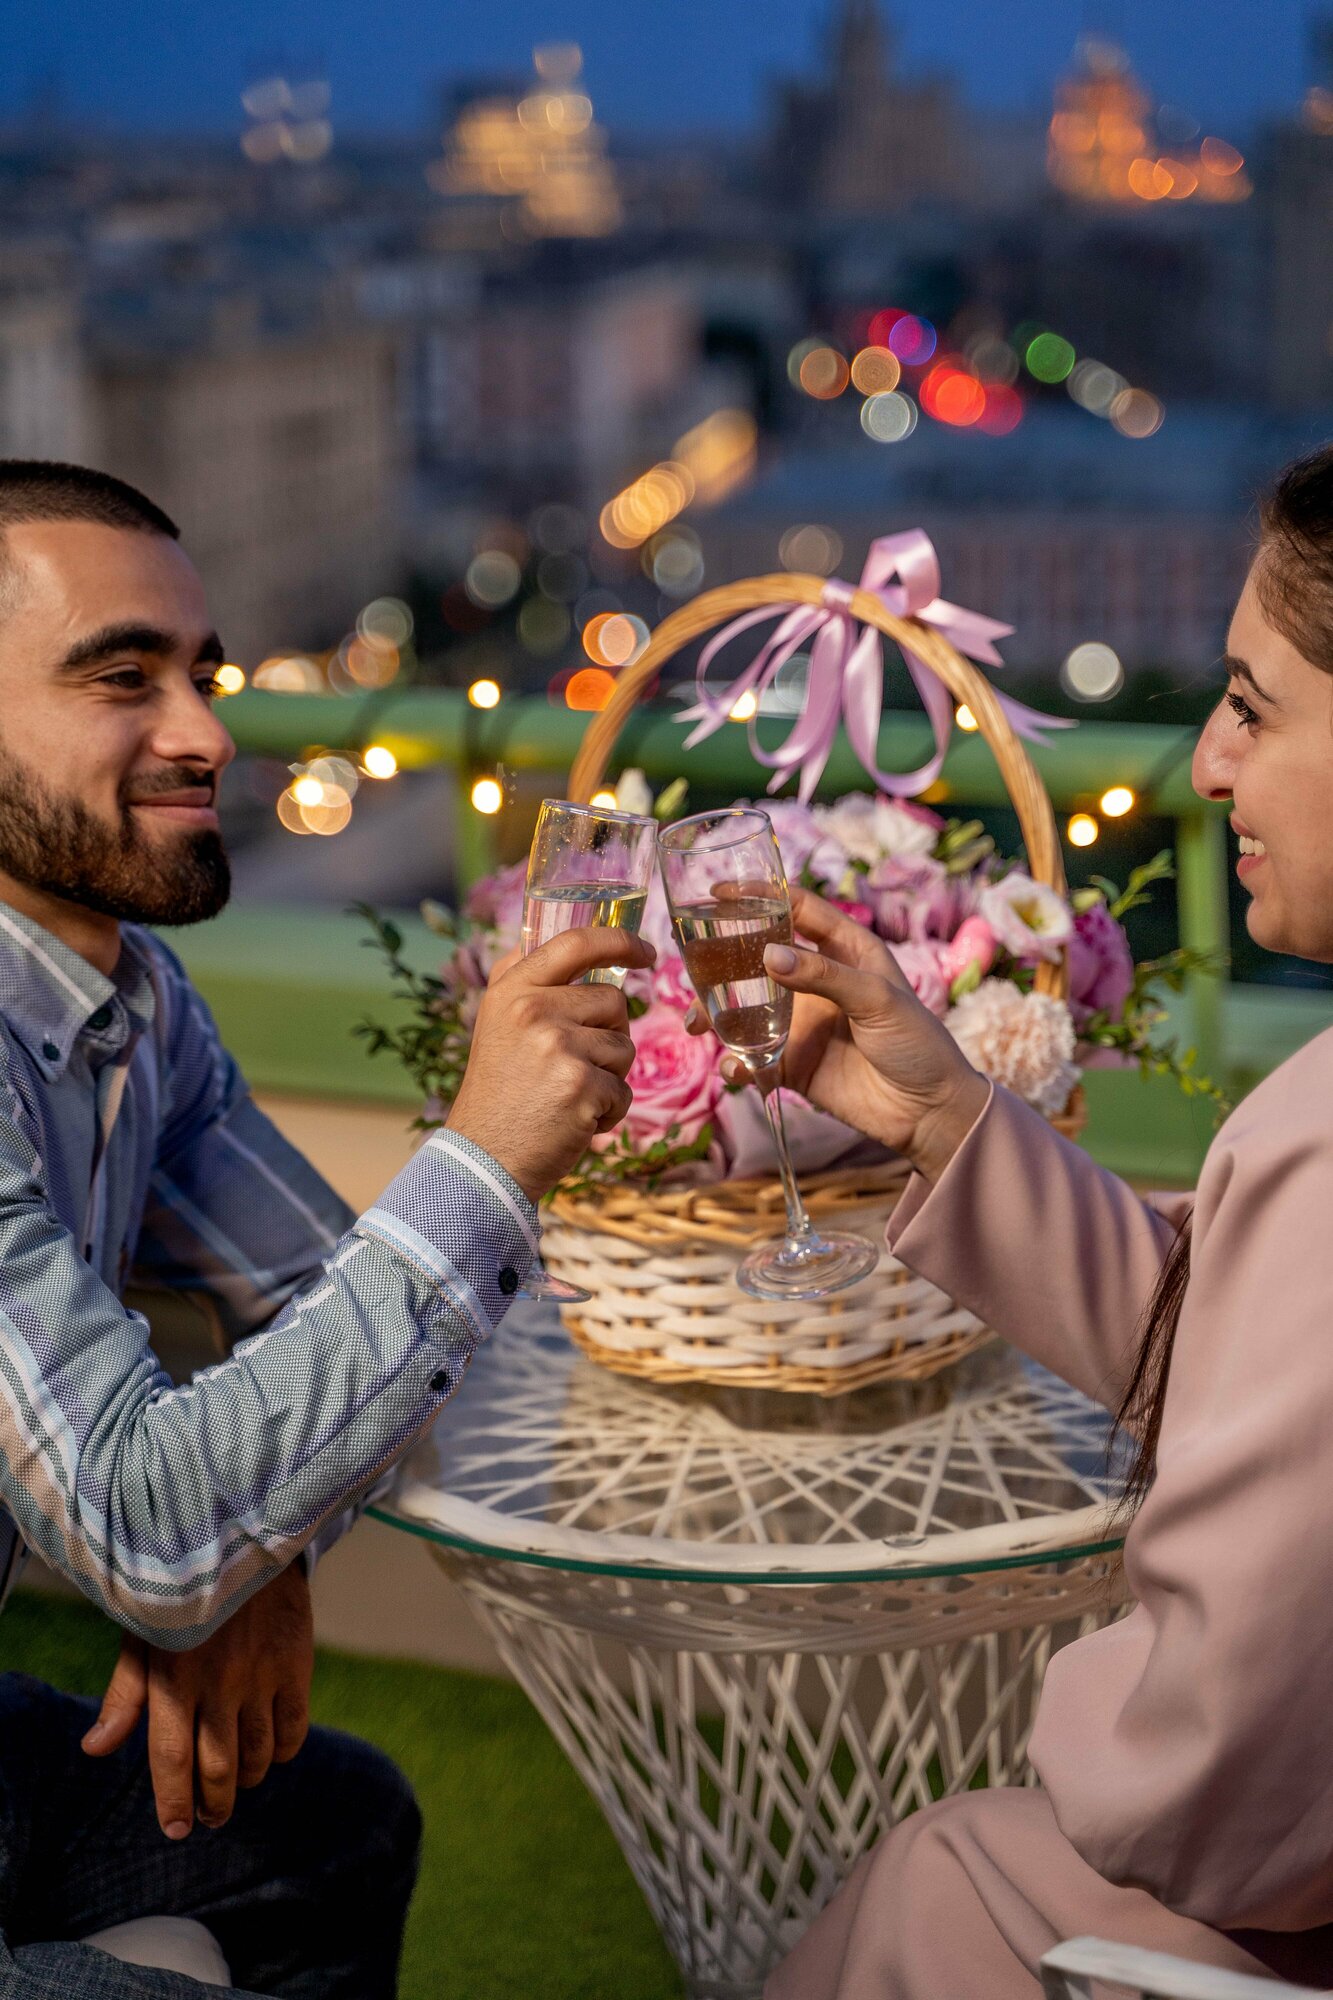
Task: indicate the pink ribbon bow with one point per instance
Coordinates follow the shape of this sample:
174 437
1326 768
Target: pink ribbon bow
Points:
846 673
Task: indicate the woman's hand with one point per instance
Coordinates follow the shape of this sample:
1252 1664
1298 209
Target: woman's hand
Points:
863 1047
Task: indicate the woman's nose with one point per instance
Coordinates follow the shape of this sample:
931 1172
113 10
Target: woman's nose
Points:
1213 770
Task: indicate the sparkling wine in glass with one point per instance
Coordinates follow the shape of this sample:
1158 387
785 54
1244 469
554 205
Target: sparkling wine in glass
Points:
587 865
728 894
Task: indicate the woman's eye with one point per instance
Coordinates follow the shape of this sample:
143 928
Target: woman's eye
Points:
1240 707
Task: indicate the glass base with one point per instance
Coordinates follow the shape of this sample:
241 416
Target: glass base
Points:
555 1291
808 1268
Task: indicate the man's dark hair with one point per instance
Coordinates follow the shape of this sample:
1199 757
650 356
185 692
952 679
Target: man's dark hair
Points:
42 489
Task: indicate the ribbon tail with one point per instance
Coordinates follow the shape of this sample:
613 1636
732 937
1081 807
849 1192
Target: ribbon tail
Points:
811 739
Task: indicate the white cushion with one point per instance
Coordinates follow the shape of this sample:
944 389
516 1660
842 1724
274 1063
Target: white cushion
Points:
174 1944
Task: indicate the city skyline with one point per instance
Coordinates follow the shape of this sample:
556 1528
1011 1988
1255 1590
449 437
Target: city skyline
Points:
682 66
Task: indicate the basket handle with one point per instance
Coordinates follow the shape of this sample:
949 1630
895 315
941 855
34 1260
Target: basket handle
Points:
1031 801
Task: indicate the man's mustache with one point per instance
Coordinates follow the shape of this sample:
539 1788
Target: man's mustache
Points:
203 788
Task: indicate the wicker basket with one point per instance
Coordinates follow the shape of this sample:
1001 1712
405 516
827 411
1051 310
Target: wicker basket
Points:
661 1265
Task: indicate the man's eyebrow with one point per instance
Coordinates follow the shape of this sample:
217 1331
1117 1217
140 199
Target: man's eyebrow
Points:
1243 671
131 637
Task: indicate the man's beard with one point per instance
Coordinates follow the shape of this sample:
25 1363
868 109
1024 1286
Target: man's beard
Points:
58 846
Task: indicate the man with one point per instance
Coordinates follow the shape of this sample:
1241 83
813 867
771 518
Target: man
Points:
130 1146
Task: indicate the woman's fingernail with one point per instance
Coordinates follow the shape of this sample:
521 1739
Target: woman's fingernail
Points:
177 1829
96 1733
779 958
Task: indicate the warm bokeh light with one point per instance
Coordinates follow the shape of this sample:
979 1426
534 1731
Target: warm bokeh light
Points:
589 689
620 639
1136 414
813 550
229 679
709 462
951 395
484 694
964 717
607 800
824 373
308 791
1082 830
745 706
1094 386
487 796
290 673
1116 802
876 370
378 761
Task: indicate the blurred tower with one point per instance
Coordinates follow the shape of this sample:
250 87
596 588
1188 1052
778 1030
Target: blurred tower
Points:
1298 192
1103 144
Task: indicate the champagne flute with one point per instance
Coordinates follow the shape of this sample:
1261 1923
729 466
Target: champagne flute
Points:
729 899
587 865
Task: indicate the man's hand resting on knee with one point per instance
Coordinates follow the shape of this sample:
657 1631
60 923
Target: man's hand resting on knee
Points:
218 1716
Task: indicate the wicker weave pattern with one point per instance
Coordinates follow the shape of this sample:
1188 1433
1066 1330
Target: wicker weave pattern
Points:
661 1266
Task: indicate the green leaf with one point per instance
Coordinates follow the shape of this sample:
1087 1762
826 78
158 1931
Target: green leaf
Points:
967 981
670 800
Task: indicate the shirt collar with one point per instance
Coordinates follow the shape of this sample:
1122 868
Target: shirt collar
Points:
51 998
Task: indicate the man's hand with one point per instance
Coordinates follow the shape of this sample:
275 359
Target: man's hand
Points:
549 1058
220 1715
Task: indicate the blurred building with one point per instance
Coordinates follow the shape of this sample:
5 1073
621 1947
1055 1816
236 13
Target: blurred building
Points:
271 437
1064 529
861 141
1298 205
44 408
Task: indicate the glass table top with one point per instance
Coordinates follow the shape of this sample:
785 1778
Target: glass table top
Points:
545 1457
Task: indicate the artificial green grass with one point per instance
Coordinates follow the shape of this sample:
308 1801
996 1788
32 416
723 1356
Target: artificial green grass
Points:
523 1893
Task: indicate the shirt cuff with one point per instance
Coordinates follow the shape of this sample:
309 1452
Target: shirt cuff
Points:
459 1218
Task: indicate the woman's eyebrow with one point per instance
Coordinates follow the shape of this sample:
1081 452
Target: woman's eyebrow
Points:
1243 671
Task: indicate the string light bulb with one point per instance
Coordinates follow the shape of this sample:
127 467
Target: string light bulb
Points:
1116 802
229 679
484 694
964 717
487 796
745 706
308 791
1082 830
607 800
378 761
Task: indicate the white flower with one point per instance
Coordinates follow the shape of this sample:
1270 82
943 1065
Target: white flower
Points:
1028 919
1024 1040
875 829
634 795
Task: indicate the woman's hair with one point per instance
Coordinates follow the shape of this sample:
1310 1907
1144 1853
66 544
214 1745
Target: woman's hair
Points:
1293 581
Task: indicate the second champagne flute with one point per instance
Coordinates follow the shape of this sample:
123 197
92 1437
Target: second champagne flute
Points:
586 865
728 894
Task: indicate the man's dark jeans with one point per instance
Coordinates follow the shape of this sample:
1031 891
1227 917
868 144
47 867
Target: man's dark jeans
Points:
306 1888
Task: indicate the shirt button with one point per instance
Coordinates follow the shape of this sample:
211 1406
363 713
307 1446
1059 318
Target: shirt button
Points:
51 1051
508 1281
101 1019
439 1382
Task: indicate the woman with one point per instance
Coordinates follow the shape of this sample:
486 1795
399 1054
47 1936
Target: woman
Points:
1185 1753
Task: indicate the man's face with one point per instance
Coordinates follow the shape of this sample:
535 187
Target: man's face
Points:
110 754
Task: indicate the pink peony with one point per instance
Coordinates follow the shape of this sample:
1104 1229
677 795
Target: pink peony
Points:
676 1079
499 899
1101 966
923 969
973 943
804 844
860 913
900 888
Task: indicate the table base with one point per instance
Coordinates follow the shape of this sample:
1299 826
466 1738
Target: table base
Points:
749 1743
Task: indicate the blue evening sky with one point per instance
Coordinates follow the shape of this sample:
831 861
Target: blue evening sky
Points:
663 65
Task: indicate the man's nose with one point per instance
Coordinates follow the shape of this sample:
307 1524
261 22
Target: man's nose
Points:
188 730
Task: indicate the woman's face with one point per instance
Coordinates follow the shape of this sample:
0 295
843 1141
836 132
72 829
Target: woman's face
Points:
1268 748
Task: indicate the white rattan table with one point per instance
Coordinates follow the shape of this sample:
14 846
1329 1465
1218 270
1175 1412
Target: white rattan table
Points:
764 1627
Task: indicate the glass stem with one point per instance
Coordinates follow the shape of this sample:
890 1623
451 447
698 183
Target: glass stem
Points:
798 1222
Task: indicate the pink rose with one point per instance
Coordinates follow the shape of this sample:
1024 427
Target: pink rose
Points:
676 1079
1101 966
922 967
973 943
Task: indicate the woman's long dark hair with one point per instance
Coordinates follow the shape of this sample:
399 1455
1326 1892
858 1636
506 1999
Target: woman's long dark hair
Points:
1293 581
